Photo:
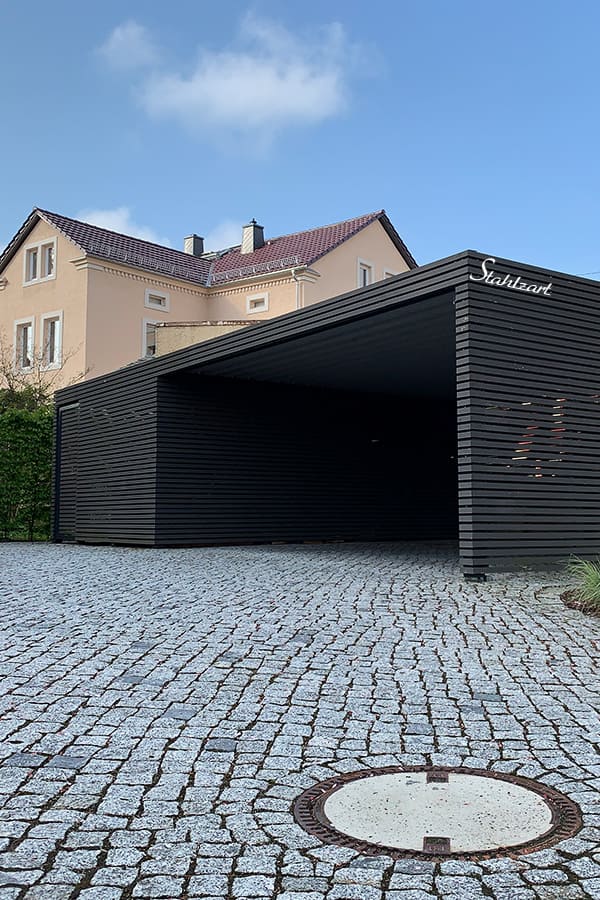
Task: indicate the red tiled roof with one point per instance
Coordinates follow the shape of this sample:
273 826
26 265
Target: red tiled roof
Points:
302 248
105 244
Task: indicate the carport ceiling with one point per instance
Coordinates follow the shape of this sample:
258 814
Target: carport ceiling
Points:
409 350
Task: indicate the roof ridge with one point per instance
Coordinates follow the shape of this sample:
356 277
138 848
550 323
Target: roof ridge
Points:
46 212
371 215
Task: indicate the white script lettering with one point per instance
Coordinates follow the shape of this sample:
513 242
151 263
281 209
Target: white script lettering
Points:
514 282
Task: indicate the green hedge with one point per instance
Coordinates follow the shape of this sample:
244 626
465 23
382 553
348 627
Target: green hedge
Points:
25 473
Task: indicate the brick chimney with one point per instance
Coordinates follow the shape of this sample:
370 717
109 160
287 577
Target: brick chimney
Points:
193 244
252 237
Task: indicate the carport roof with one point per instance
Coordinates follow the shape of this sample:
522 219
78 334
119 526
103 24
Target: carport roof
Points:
325 334
350 326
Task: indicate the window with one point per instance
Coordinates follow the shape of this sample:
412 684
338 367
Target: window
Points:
52 340
365 273
31 263
149 339
156 299
48 251
24 344
257 303
40 262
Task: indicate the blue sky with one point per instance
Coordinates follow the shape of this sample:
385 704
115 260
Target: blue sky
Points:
475 125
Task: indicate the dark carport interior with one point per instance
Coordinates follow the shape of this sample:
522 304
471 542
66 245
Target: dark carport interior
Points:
348 434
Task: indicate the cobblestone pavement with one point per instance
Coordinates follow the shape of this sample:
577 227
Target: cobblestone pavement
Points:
161 709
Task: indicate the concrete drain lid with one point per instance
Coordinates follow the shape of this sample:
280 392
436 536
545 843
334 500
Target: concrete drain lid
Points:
433 813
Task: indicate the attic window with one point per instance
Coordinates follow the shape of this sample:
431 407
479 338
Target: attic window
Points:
156 300
40 262
257 303
365 273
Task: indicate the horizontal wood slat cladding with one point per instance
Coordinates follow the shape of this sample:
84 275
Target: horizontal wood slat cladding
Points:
117 478
256 462
193 447
115 481
65 473
528 395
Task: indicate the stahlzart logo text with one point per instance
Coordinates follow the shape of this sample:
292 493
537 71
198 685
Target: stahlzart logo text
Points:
514 282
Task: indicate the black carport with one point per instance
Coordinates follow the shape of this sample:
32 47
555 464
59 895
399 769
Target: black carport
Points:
446 402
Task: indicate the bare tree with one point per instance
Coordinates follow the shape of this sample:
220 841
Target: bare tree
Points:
37 383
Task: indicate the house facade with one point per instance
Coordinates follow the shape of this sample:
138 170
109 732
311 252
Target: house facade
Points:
80 300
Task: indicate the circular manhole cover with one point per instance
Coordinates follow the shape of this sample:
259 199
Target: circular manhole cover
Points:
431 813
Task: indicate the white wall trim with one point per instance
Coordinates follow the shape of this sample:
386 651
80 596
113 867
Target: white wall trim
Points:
57 314
164 295
387 273
38 246
28 320
264 307
144 323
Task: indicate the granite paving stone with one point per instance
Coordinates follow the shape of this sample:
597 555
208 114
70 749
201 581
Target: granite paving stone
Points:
160 711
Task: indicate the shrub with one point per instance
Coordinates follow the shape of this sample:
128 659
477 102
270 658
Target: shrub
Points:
25 472
586 593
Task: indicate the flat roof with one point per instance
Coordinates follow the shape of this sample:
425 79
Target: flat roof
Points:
393 335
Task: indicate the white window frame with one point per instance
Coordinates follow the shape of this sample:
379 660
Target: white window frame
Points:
146 322
252 297
387 273
57 315
29 320
364 264
164 295
39 247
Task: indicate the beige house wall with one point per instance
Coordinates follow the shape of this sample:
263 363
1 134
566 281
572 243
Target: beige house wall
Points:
64 294
336 273
117 312
231 302
185 334
104 311
338 270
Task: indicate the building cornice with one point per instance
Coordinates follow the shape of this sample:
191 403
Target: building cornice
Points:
269 279
184 287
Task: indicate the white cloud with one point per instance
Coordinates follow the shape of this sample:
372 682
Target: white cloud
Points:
271 80
226 234
129 46
119 219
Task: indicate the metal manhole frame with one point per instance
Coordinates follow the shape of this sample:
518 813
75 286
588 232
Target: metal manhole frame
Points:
308 811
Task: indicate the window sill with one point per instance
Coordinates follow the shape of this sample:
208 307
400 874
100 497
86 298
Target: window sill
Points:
39 280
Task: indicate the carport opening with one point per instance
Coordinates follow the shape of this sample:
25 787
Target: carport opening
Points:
348 434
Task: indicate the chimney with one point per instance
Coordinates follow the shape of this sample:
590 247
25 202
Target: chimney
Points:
194 245
252 237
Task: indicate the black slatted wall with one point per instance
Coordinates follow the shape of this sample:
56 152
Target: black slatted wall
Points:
66 471
111 491
248 461
528 380
160 455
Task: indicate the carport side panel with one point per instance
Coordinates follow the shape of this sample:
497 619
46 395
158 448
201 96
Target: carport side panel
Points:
116 472
470 564
529 420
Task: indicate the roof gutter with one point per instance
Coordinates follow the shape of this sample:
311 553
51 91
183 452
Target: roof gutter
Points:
264 276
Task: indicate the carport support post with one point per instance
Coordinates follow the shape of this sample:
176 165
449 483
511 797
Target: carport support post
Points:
473 568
